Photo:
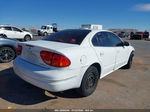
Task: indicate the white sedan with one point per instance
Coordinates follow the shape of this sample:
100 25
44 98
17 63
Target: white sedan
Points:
72 59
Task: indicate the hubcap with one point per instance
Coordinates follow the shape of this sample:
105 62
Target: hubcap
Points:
27 38
6 54
90 81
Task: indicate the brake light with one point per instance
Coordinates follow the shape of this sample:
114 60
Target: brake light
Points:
19 50
54 59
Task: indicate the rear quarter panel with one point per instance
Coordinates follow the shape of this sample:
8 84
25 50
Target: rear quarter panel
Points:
8 42
81 59
80 56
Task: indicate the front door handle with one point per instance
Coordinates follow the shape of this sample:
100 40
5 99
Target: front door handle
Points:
118 51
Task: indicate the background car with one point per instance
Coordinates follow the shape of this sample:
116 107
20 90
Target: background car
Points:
137 35
123 34
14 32
7 49
146 35
72 59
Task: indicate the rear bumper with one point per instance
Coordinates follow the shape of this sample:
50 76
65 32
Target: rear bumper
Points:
51 80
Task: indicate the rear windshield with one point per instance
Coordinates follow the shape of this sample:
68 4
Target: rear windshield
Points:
68 36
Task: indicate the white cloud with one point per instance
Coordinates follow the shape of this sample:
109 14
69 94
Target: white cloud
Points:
142 7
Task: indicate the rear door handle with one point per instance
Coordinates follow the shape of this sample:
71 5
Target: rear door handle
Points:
101 54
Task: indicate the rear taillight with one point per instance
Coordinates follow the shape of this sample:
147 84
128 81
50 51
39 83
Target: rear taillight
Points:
54 59
19 50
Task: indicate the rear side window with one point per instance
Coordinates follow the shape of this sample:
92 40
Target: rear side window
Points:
8 28
106 39
68 36
2 28
101 39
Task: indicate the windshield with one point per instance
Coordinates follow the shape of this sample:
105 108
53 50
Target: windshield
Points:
43 27
68 36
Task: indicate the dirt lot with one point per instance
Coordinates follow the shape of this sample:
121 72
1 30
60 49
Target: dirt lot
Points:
129 89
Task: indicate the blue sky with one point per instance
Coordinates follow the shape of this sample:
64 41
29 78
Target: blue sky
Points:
73 13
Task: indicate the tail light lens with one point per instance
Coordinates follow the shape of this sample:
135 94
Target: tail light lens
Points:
19 50
54 59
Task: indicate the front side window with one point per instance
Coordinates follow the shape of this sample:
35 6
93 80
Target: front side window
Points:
115 40
68 36
16 29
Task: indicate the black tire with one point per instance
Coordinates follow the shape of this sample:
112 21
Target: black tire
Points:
89 82
3 35
7 54
45 34
27 38
129 64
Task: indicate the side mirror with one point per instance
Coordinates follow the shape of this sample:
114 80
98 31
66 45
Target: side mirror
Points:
125 43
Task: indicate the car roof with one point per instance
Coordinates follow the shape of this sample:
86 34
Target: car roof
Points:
81 29
7 26
95 31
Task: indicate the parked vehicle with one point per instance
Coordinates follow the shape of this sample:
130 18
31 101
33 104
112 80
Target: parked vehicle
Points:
146 35
137 35
131 34
92 26
47 29
123 34
117 33
72 59
8 48
14 32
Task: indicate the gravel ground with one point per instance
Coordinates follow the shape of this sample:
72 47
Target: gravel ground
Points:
122 89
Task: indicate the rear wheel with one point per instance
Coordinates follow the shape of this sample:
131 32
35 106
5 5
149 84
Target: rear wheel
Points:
129 64
89 82
7 54
27 38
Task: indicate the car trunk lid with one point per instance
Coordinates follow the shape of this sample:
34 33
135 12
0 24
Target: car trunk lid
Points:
31 50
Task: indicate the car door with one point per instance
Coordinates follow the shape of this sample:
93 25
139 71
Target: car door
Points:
49 29
8 31
122 51
105 52
18 33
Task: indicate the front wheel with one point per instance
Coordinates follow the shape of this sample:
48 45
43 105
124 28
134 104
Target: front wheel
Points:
7 54
89 82
45 34
3 35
